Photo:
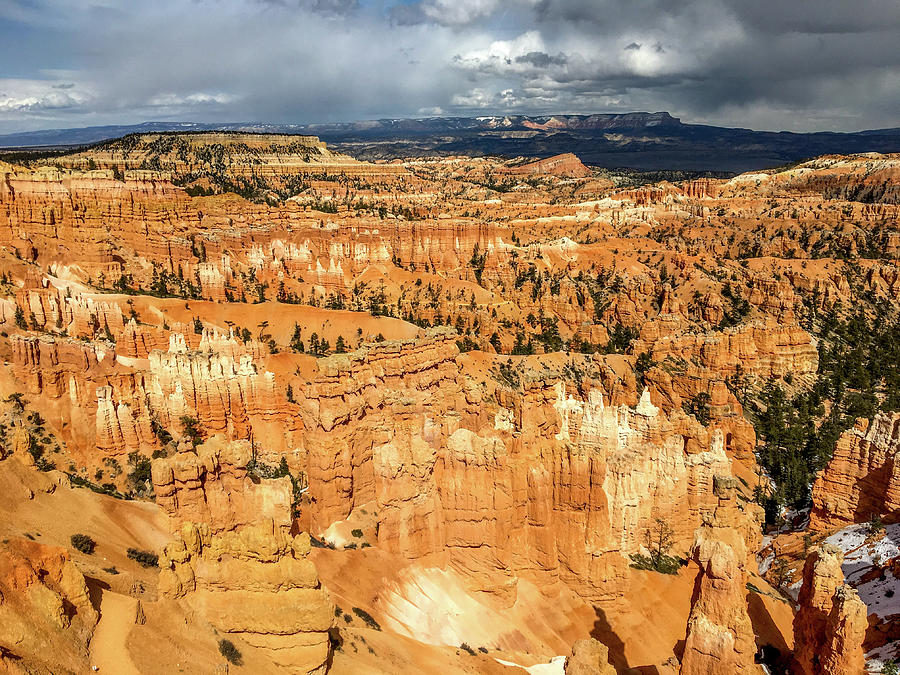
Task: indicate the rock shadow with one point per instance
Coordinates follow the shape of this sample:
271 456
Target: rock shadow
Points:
603 632
772 648
95 591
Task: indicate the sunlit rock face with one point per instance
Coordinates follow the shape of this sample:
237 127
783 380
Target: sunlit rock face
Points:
862 478
500 373
720 635
233 558
831 624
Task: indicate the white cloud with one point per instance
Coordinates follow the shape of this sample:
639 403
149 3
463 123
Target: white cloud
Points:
500 56
196 98
476 98
458 12
19 96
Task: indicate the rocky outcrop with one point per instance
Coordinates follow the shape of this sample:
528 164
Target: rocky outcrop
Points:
830 625
566 164
234 558
589 657
46 616
720 638
505 438
264 155
862 478
538 483
764 350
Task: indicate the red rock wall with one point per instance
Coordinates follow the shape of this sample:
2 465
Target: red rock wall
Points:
862 478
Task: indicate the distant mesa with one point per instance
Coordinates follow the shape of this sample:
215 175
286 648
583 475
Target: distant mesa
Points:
649 141
566 165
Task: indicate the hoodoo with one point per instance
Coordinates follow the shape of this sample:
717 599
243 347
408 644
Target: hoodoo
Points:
270 408
830 625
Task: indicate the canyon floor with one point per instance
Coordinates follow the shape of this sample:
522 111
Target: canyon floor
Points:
268 408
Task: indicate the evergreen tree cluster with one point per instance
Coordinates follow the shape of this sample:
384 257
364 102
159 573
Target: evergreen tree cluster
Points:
859 375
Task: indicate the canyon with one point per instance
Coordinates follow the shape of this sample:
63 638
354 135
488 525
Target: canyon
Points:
447 414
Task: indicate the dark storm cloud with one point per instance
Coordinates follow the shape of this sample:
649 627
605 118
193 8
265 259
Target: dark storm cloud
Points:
332 7
828 64
541 60
407 15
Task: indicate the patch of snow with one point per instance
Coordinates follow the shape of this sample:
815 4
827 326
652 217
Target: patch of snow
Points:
881 596
556 666
859 557
789 516
766 563
875 658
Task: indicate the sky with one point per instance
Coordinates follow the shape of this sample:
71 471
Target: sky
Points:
797 65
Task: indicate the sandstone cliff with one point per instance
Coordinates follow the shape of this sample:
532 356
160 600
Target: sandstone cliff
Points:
862 478
720 636
46 616
233 557
505 485
830 624
559 165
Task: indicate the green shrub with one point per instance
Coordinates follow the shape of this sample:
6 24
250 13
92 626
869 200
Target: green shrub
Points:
875 524
190 427
356 533
664 564
83 543
230 652
699 407
367 618
143 558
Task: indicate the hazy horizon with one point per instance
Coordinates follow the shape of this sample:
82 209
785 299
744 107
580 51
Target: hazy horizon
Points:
262 123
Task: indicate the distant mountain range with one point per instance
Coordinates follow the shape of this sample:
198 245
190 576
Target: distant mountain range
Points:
646 141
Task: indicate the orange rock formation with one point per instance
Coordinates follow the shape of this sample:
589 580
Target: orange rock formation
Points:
233 556
505 381
588 657
830 625
559 165
720 635
46 616
862 479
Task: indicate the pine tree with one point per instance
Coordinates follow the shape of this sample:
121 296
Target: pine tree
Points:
297 340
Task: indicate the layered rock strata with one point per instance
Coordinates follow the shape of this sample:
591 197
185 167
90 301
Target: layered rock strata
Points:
720 639
830 625
862 479
537 482
234 559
